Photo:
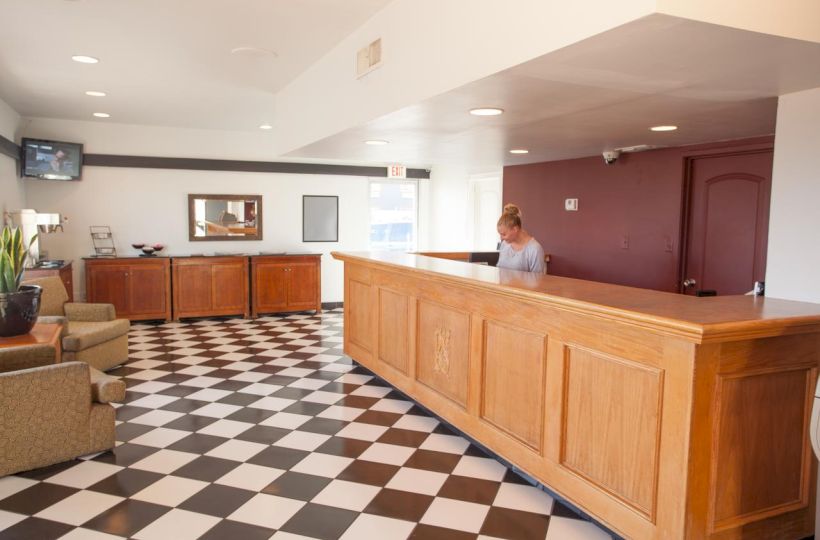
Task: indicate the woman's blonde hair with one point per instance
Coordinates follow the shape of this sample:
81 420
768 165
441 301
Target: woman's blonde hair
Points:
511 217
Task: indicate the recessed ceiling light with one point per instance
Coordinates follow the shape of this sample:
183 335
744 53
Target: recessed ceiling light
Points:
94 93
102 115
519 151
486 111
266 126
376 142
85 59
664 128
253 52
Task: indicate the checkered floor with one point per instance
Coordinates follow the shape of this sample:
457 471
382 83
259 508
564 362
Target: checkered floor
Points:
259 429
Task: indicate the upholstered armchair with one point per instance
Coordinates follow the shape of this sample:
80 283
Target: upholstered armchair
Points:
95 335
52 412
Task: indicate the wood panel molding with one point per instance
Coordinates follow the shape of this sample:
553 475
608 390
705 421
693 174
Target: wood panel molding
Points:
611 435
443 350
360 324
772 477
394 327
513 382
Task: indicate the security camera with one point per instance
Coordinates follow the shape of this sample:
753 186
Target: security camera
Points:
611 156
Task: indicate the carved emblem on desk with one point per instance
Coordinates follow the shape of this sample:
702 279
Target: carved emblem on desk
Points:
442 358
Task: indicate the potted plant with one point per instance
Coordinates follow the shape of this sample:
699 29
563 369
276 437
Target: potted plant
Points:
19 304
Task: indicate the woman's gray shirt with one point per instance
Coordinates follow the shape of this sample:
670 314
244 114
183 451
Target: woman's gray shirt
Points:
529 259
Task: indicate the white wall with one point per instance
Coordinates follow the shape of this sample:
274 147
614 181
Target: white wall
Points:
12 195
449 197
150 205
794 251
430 47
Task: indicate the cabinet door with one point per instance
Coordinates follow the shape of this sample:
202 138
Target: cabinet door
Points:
303 285
230 282
270 287
148 290
192 293
108 284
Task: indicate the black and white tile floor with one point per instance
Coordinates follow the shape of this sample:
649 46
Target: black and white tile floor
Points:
262 429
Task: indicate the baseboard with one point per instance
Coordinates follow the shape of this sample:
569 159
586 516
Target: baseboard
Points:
332 305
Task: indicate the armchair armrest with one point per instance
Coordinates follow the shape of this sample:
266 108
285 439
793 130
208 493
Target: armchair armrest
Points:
56 319
106 389
26 357
89 312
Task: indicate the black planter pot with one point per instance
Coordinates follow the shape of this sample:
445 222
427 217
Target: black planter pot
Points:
18 310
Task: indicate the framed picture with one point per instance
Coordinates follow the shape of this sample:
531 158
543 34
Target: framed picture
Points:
320 218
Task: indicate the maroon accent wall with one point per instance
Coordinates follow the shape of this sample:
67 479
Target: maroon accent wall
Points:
627 229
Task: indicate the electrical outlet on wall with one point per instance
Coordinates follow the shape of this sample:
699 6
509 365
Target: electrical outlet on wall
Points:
571 205
625 241
668 244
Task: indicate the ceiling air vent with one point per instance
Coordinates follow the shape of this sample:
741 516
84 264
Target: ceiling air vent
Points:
368 58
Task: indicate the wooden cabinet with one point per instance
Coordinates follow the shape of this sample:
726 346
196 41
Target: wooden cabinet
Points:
139 288
286 283
210 286
65 272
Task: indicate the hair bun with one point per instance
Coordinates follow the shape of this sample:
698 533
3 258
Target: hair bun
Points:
512 210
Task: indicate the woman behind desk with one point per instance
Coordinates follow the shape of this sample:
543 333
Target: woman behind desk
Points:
519 250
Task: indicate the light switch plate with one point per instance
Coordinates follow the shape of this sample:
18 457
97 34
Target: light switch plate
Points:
571 205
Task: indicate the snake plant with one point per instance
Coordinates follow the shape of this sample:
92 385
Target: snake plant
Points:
12 258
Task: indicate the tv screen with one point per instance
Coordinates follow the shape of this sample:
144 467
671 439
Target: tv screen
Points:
52 160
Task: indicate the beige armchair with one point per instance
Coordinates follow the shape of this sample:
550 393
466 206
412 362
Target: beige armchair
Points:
94 336
52 412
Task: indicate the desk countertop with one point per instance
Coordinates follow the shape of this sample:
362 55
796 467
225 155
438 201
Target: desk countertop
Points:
697 317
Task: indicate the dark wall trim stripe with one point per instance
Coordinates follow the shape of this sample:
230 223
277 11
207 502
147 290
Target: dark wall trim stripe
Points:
193 164
8 148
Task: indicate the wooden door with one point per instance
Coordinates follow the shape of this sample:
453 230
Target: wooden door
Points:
148 290
192 290
230 286
728 222
270 294
303 284
108 284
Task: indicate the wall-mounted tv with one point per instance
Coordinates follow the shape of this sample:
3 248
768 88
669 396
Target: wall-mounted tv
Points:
52 160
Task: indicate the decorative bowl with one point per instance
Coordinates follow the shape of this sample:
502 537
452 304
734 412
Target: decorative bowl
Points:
148 250
137 246
158 247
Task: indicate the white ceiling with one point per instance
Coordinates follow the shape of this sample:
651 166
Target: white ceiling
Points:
165 62
714 82
168 63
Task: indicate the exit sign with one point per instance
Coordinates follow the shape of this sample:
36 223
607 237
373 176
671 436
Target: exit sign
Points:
396 171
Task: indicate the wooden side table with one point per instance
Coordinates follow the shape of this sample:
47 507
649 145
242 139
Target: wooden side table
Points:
42 333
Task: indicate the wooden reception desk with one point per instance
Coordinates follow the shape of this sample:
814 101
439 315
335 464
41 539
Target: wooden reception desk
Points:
661 415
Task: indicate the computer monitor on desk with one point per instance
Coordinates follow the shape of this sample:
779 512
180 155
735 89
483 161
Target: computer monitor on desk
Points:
484 257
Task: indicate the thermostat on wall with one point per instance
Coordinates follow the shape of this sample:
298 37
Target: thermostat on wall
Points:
571 205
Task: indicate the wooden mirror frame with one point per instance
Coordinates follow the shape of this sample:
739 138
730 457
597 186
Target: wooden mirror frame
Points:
212 196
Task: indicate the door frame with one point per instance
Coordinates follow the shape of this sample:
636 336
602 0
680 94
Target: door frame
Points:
756 146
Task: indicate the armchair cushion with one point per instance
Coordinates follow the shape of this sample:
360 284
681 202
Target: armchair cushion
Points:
106 389
89 312
45 416
53 296
83 335
26 357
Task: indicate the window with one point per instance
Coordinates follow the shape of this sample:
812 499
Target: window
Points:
394 215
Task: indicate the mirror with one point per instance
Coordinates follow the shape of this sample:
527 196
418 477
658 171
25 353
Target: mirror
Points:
224 217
